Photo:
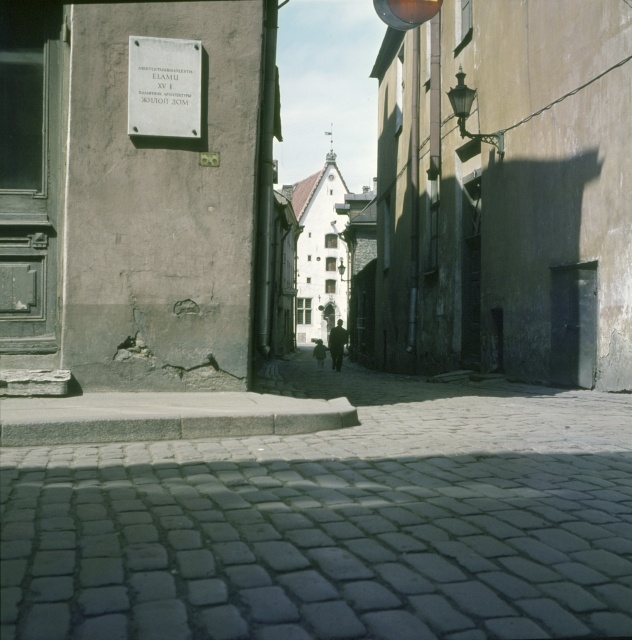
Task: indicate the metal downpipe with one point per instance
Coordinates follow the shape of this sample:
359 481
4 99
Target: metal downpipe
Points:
266 195
414 187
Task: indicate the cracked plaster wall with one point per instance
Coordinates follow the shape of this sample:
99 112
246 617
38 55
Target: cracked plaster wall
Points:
158 250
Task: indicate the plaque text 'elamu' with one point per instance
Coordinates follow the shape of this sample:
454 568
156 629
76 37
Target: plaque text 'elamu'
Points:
165 86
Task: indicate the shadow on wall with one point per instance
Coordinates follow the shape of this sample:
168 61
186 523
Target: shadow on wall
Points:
494 281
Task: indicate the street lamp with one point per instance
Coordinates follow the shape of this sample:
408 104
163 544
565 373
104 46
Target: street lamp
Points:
461 98
341 271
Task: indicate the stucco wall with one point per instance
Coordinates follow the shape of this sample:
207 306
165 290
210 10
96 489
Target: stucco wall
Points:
158 249
560 196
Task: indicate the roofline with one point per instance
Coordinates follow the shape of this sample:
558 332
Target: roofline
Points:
390 46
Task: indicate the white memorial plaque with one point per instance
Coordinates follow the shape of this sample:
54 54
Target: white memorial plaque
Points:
165 87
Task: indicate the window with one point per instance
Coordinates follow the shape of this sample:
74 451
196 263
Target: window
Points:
330 264
464 22
309 281
304 311
309 258
331 241
330 286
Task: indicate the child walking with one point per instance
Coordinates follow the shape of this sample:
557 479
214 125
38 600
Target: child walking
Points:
320 353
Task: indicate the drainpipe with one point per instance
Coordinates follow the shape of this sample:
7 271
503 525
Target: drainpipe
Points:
415 209
266 196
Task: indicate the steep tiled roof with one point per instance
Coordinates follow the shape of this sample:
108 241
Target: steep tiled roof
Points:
303 192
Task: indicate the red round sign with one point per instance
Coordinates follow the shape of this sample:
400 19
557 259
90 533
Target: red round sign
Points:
406 14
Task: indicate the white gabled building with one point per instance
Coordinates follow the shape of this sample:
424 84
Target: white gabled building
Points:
322 297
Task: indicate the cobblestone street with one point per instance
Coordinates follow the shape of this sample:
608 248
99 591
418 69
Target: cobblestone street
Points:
459 511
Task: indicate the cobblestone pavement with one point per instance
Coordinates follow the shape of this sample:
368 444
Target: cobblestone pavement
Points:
456 511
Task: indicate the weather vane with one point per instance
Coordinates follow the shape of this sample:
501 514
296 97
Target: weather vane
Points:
331 135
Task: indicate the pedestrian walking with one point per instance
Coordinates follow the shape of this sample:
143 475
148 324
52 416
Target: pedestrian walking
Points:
320 353
338 338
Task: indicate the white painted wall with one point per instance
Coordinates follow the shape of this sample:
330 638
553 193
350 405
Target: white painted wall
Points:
312 256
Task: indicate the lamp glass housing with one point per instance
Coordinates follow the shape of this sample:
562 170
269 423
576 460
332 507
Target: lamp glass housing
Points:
461 97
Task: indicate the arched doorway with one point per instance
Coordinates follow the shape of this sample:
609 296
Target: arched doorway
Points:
329 314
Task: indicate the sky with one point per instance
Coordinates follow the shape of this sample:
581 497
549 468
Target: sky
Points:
325 52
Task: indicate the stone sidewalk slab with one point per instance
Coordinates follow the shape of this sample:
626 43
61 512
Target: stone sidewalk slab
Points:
128 417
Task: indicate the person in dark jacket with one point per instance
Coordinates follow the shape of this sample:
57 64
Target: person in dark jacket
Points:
320 353
338 338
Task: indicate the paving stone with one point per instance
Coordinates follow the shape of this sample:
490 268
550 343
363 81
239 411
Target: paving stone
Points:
15 549
101 546
558 620
161 620
207 592
617 595
442 617
52 540
46 622
10 598
572 596
538 551
281 556
508 585
146 557
284 632
477 599
580 573
98 572
184 539
269 605
604 561
464 556
435 567
309 586
339 564
221 532
134 517
403 579
97 527
148 586
259 532
91 512
386 625
531 571
367 595
18 531
333 620
309 538
248 576
106 627
225 623
402 542
342 530
140 533
197 563
561 540
370 550
103 600
53 563
233 553
493 526
56 589
515 629
12 572
612 624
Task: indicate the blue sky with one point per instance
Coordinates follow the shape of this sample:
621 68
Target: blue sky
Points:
326 50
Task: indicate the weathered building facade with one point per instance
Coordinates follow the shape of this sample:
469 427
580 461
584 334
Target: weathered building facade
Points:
322 294
128 249
521 262
360 236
